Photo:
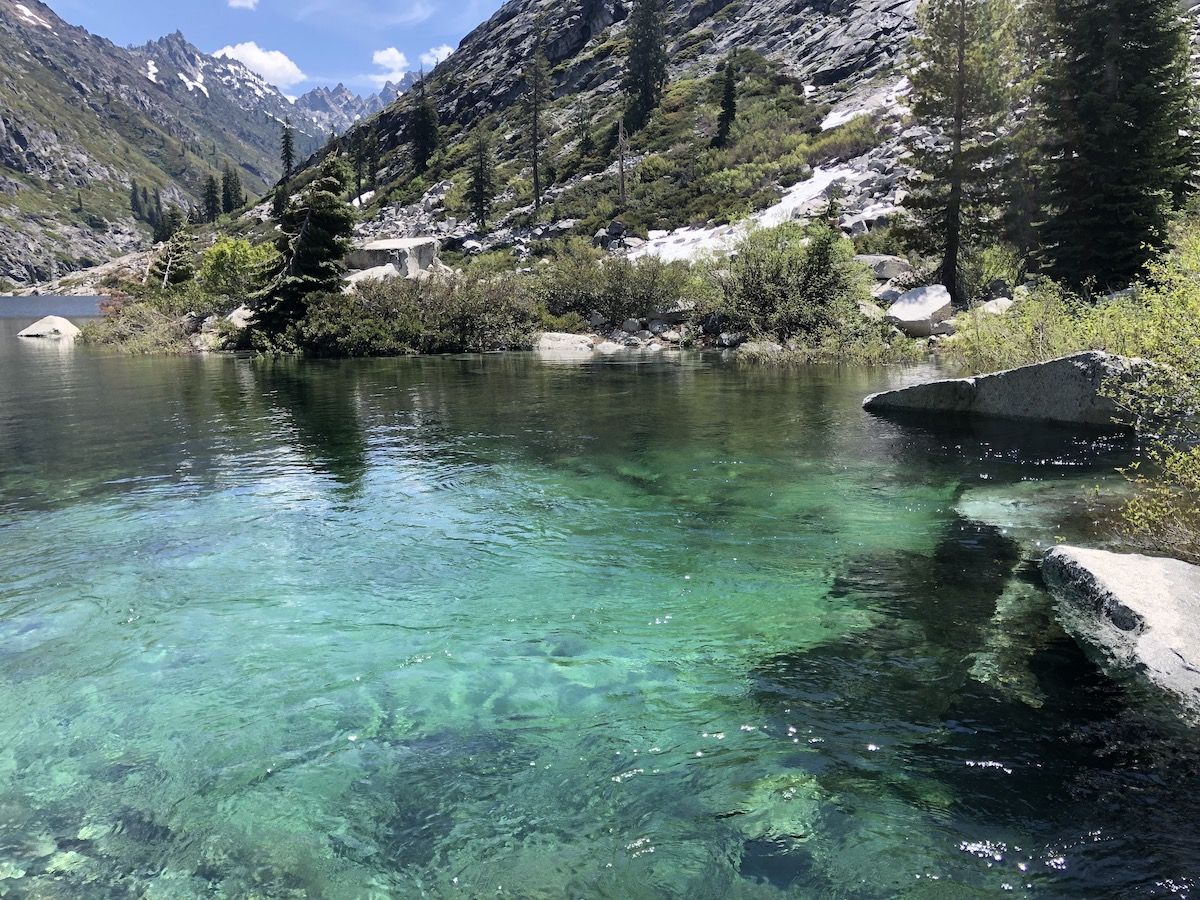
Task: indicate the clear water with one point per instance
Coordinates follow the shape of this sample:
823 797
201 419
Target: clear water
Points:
479 627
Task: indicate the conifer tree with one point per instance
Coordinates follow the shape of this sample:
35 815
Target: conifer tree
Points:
232 197
135 200
583 128
728 103
426 135
173 264
961 70
359 146
1118 95
168 224
481 192
287 150
646 66
537 94
373 161
279 201
212 199
313 241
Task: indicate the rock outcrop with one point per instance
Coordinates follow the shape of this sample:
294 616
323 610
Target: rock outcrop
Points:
922 312
1142 613
51 327
1066 391
409 256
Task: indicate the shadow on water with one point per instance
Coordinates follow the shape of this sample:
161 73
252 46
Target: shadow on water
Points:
1062 791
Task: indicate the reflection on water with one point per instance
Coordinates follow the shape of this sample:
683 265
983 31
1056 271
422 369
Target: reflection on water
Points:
485 626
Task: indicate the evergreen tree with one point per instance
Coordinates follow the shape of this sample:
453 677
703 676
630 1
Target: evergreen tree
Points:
961 70
287 150
279 201
1023 167
537 93
212 199
158 207
135 201
728 104
359 146
373 161
481 192
426 133
646 66
232 197
313 240
583 129
1118 95
173 264
169 223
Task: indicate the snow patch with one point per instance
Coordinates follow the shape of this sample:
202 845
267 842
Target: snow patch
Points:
360 202
691 243
31 17
152 70
888 98
193 85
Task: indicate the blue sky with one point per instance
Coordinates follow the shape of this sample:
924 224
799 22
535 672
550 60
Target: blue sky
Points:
295 44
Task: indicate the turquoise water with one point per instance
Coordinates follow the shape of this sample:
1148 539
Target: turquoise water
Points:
488 626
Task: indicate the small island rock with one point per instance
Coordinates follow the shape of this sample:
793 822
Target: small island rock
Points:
51 327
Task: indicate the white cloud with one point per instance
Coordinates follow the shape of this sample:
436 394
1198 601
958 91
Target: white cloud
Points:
395 62
435 55
273 65
243 4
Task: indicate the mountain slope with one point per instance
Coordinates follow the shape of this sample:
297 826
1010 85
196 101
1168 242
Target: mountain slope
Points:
81 118
337 109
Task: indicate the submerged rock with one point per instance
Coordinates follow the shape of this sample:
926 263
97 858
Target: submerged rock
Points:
51 327
1065 391
1142 613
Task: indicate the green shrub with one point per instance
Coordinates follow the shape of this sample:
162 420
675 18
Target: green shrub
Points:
137 328
231 268
434 316
847 141
785 283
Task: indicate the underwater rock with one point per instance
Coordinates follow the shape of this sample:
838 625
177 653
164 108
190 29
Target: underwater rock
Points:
1142 613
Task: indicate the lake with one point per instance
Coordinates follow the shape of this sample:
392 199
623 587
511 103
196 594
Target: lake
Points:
497 627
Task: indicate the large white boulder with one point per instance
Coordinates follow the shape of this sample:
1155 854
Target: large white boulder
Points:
411 256
558 344
378 273
51 327
1066 391
1141 612
918 312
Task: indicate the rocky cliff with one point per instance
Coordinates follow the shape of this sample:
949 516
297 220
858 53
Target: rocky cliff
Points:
81 118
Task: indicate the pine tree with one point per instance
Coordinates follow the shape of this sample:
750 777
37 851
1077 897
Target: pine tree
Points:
537 93
583 129
646 66
373 161
279 201
961 69
426 136
135 201
313 240
231 191
287 150
173 264
481 192
212 199
1117 97
169 223
728 103
359 146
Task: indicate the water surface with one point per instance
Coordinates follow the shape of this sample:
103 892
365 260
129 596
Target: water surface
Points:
488 626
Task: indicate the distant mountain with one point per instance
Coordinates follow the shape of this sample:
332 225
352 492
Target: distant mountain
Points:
337 109
81 119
